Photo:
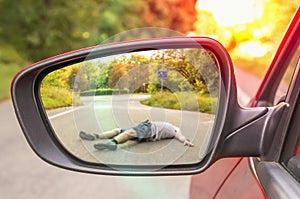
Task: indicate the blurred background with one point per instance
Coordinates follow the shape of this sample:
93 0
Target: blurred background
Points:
32 30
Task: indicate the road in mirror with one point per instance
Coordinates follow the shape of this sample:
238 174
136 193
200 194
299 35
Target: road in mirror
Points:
153 107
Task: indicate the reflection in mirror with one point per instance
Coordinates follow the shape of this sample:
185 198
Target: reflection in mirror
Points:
153 107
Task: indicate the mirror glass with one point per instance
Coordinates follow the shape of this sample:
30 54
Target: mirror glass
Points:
154 107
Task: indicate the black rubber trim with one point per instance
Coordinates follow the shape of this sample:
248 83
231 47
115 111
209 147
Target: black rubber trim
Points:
276 181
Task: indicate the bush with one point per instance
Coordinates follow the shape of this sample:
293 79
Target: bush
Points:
7 72
9 55
54 97
10 63
103 92
183 101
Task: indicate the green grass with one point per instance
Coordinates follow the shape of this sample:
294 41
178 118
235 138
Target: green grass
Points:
7 73
183 101
54 97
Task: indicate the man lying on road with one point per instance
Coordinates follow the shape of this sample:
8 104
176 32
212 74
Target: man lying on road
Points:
143 132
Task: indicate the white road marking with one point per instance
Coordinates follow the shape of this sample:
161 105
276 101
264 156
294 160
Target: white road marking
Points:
65 112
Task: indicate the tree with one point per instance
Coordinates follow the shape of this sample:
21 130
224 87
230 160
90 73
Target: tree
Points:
55 89
77 79
39 29
172 14
117 71
58 78
207 72
92 73
104 75
129 71
188 69
116 16
166 61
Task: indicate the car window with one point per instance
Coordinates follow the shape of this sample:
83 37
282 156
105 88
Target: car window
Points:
285 81
290 157
291 154
287 91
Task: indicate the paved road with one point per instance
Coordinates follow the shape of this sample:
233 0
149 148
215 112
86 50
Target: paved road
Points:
108 112
24 175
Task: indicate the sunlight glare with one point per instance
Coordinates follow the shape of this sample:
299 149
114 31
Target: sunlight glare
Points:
232 12
252 49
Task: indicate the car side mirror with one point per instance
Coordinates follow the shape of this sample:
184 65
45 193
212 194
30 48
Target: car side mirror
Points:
163 106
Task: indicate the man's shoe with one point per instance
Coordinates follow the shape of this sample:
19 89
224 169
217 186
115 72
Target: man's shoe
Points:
106 144
87 136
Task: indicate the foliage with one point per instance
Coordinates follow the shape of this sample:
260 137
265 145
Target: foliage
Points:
173 14
58 78
7 73
77 79
206 75
116 16
117 72
55 97
98 92
103 78
129 72
183 101
91 72
10 56
33 30
188 69
56 90
163 99
40 29
11 61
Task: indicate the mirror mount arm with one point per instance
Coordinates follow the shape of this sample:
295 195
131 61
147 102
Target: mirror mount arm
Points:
255 137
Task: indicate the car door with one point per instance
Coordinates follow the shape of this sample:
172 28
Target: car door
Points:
277 174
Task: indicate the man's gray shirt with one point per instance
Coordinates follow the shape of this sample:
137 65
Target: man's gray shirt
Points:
162 130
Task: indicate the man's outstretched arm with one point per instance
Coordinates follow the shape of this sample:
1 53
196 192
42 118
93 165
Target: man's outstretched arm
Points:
183 139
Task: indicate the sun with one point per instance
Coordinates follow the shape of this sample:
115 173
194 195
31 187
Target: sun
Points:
232 12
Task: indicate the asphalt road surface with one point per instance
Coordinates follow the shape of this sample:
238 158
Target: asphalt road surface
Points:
123 111
24 175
